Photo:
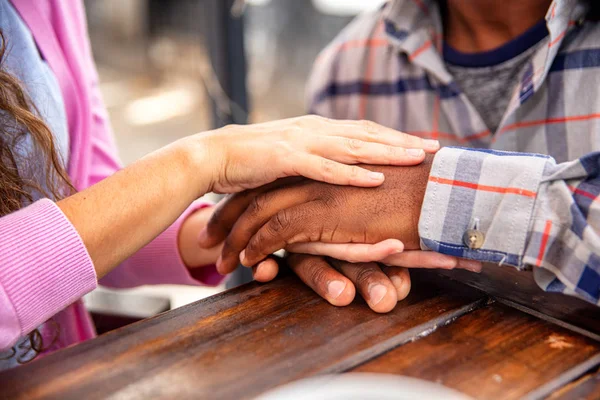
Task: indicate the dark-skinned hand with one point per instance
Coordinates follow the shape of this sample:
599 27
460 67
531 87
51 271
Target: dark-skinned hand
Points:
305 213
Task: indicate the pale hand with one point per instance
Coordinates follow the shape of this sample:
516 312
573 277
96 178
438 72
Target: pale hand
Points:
250 156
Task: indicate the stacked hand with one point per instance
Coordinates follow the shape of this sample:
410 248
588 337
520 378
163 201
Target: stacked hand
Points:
249 156
359 225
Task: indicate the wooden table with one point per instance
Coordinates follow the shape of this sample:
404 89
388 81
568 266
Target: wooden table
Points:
243 342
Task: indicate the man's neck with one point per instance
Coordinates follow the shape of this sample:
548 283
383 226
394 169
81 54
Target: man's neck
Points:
481 25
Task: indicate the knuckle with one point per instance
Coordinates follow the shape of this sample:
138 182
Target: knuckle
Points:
411 140
391 152
323 120
318 274
370 127
354 144
354 172
253 246
289 134
257 205
327 168
365 274
280 222
313 120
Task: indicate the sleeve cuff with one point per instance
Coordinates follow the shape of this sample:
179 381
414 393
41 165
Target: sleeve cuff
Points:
487 191
44 266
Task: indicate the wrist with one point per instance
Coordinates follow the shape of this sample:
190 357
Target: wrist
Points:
199 161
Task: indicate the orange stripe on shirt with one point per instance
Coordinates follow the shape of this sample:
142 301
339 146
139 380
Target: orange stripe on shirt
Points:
583 193
373 42
544 243
484 188
525 124
418 51
371 60
562 34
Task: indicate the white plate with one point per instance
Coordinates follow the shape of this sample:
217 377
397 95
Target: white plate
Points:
362 386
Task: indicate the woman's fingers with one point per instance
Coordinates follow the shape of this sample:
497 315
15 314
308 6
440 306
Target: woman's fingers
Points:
326 170
430 259
370 131
354 151
321 277
317 148
469 265
373 285
389 252
351 252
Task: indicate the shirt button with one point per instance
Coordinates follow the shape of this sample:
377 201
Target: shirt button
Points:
473 239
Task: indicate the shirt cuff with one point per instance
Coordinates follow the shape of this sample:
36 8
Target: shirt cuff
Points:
485 195
44 267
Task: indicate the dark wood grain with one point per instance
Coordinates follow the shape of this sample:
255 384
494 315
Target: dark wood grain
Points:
494 352
238 344
507 283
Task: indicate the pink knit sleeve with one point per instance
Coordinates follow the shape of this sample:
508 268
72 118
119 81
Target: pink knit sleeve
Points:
44 267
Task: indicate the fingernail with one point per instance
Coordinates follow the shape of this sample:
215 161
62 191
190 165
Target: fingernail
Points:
335 289
376 176
376 293
397 281
414 152
243 257
432 144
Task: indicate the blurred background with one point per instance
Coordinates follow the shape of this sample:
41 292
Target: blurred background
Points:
172 68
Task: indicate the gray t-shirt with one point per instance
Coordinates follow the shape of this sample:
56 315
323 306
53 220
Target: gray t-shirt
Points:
490 88
488 79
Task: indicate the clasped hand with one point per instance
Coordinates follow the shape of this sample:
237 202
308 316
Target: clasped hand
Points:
311 219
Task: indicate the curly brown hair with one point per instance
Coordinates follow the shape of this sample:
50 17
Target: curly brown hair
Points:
19 119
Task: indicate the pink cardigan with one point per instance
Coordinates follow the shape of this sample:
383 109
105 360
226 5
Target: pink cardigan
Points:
44 266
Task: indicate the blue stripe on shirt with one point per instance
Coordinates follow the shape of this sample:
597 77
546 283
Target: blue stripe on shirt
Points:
591 163
390 28
501 153
464 252
588 58
387 88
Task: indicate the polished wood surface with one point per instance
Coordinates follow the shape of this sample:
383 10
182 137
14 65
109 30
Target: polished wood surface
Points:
494 352
243 342
516 287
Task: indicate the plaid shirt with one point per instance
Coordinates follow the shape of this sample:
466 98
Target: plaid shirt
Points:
530 190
